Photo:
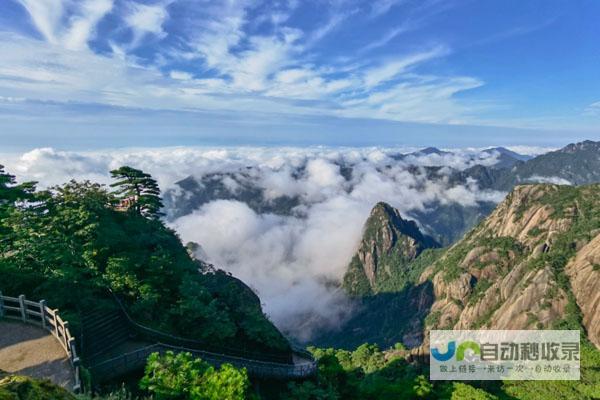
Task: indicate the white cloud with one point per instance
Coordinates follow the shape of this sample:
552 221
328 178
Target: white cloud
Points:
392 69
147 19
531 150
48 16
181 75
548 179
290 260
45 15
214 60
592 109
380 7
386 38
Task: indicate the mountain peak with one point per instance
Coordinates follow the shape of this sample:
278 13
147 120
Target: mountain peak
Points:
388 245
586 145
431 150
508 153
383 208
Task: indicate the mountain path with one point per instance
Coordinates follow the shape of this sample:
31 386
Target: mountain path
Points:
31 351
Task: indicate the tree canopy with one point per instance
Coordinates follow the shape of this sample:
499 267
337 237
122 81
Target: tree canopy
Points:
181 377
137 191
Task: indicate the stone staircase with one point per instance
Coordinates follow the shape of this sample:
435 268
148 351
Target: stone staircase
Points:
103 330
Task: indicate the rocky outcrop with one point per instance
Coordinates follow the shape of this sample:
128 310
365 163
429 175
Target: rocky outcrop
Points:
524 218
389 243
584 274
508 272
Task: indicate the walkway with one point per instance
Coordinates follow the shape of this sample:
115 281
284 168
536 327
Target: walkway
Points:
32 351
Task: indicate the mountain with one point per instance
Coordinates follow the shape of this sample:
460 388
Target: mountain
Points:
506 158
382 280
193 192
430 150
577 163
446 222
533 263
388 245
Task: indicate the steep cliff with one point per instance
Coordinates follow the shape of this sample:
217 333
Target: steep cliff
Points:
388 246
533 263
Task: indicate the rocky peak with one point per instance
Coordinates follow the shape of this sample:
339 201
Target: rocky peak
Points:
389 243
586 145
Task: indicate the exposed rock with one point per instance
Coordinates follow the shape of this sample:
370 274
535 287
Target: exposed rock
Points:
584 274
530 304
504 273
389 243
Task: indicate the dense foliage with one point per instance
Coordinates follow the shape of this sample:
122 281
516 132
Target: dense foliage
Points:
71 242
24 388
366 373
182 377
370 374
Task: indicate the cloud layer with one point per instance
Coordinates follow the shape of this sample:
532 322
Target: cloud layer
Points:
293 260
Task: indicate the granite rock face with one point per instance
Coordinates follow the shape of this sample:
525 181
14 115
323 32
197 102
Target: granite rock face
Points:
388 245
522 266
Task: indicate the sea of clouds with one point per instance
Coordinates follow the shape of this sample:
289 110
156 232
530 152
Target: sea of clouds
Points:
292 261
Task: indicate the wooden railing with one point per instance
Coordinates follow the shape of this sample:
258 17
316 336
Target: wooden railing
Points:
37 313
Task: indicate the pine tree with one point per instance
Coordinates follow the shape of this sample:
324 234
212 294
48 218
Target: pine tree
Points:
10 191
138 190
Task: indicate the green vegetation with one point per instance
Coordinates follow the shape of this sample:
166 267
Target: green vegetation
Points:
433 319
363 374
450 262
139 189
369 374
586 388
25 388
70 243
479 291
180 377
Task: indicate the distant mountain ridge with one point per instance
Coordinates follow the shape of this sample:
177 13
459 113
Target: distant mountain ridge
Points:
577 163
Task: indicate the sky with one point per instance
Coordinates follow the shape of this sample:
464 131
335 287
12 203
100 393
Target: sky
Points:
87 74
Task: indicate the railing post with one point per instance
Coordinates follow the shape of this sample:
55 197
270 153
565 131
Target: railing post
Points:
73 352
65 328
43 313
55 321
1 305
22 307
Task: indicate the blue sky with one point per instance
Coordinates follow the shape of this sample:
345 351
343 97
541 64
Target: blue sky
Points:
106 73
